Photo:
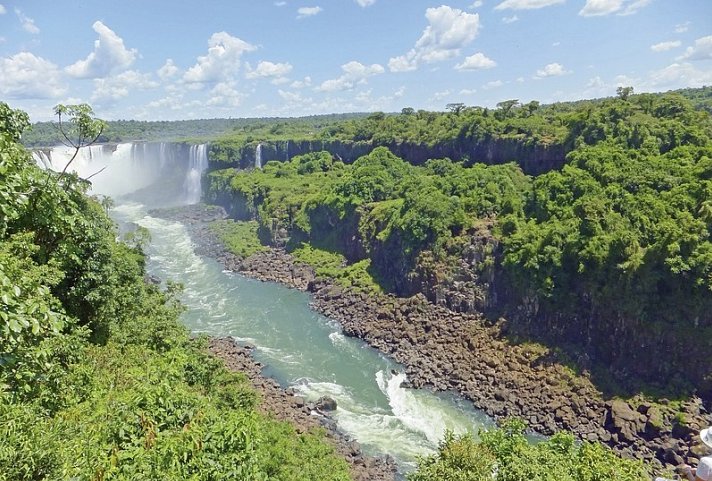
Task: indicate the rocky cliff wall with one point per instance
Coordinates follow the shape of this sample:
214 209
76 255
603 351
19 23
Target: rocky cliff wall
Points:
534 158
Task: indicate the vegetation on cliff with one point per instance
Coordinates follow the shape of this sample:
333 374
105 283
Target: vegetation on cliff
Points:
610 251
98 380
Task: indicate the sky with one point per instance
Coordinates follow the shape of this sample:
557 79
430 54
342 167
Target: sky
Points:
169 60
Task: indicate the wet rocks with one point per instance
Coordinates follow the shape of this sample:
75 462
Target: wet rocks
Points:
325 404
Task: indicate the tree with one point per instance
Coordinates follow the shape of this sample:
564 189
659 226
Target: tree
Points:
624 92
80 130
407 111
506 106
455 108
532 107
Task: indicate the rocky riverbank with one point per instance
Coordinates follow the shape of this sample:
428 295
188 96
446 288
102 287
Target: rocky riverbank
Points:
285 405
443 350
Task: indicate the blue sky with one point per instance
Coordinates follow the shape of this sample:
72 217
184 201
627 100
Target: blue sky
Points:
165 60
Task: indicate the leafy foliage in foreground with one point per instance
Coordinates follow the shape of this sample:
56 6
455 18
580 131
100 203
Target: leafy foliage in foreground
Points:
98 380
506 455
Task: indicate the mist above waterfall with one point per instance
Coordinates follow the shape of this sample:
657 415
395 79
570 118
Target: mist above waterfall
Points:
157 173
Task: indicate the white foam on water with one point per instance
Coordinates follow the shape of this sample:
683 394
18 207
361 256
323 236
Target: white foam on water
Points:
424 414
271 352
245 340
373 426
313 390
338 339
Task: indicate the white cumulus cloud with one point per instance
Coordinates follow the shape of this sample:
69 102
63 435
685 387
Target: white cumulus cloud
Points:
682 27
594 8
27 23
222 61
679 75
224 94
168 70
665 46
355 73
26 76
2 9
526 4
702 50
478 61
294 97
477 4
365 3
492 85
551 70
438 96
119 86
448 31
511 19
269 69
300 84
109 55
304 12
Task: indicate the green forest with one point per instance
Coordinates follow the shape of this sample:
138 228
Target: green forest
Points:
612 249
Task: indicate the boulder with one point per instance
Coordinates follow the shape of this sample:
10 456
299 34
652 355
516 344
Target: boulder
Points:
325 403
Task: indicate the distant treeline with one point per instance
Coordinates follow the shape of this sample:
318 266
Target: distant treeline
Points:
231 135
45 134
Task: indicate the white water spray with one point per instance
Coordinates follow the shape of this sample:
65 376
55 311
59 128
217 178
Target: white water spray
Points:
198 163
258 156
118 170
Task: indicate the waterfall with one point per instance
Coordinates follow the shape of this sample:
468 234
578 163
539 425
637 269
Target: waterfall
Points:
258 157
198 163
168 173
41 159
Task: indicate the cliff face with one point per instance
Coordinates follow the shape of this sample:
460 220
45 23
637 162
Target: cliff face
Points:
635 351
534 158
631 350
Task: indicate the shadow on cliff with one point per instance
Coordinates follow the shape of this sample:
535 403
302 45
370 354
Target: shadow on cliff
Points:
614 381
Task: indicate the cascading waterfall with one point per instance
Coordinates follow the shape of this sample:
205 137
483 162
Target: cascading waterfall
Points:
42 159
258 157
198 163
172 171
